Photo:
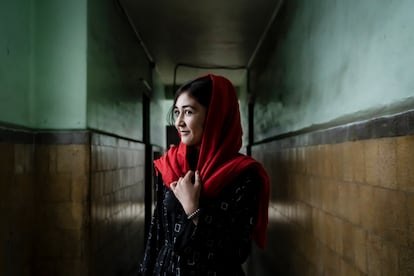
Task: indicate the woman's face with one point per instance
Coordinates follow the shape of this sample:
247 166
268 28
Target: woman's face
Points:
189 119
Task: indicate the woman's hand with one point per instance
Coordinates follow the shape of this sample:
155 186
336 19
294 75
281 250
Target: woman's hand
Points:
188 193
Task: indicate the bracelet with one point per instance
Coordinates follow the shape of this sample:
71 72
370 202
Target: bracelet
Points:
193 214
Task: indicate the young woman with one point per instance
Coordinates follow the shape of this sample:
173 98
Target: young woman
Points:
213 201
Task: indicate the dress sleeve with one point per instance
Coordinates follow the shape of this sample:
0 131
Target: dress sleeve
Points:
155 236
225 225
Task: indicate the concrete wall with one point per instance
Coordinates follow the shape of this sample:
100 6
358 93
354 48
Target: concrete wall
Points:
71 65
58 80
244 100
116 64
15 66
332 59
159 108
43 64
72 197
334 129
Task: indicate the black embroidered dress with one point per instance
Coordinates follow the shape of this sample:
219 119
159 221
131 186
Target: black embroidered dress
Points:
217 245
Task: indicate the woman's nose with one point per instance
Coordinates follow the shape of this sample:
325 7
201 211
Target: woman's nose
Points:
179 121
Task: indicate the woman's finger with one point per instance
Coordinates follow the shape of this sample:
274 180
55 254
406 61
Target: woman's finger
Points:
197 176
197 182
188 176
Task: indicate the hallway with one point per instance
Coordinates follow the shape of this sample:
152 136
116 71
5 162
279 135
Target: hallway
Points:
327 101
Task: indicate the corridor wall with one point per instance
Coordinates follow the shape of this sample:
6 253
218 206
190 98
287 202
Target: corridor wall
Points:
71 139
334 127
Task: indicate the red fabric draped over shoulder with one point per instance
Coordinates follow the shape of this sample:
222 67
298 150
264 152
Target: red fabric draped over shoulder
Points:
219 161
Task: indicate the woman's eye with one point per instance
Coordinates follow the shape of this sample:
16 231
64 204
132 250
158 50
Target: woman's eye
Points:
188 112
176 113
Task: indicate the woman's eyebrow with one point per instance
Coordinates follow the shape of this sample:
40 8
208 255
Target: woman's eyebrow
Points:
190 106
185 106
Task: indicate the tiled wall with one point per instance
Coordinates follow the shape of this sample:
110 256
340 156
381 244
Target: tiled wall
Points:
17 203
342 201
117 201
72 204
62 183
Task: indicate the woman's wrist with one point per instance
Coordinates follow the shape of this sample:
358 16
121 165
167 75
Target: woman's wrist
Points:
190 208
194 214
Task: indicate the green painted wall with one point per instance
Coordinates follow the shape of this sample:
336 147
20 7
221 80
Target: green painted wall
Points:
333 59
158 112
116 63
15 61
243 95
59 68
71 65
43 63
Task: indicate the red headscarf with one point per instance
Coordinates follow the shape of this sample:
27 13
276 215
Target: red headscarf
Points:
219 161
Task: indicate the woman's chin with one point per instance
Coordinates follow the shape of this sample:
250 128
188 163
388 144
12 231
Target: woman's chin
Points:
188 142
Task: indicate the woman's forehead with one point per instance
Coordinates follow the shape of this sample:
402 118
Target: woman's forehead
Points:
186 100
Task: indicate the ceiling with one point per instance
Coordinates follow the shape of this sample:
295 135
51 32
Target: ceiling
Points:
188 38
